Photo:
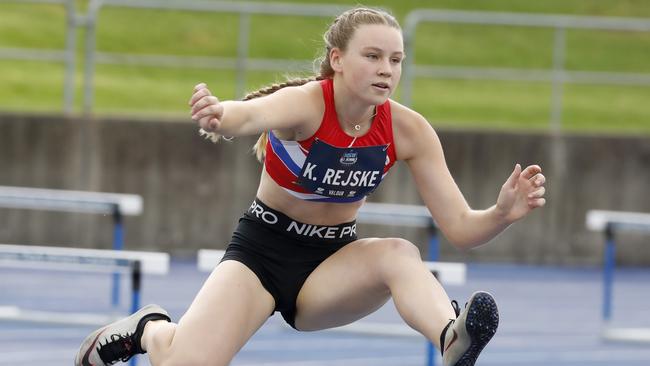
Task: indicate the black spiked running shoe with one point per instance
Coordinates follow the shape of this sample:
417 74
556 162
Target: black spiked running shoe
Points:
118 341
464 338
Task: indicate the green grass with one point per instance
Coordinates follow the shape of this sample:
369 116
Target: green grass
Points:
607 108
159 91
32 26
608 51
477 45
481 104
31 86
166 32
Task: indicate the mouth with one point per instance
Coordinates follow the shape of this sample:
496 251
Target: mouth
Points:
381 85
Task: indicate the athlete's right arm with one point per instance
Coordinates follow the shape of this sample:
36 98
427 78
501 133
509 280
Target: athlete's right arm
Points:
287 108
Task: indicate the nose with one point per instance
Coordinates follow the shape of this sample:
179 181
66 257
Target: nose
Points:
385 68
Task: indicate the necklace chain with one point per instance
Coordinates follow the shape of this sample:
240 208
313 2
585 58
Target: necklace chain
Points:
357 126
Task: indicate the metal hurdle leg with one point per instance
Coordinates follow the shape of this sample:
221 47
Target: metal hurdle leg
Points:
118 244
136 281
434 248
609 265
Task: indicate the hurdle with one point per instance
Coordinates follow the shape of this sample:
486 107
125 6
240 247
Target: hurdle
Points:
447 273
135 263
396 214
412 216
609 223
115 204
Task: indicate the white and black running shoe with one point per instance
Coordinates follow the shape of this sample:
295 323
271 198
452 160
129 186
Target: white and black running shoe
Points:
464 338
118 341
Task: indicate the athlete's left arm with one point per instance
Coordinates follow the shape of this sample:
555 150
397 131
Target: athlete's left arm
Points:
419 146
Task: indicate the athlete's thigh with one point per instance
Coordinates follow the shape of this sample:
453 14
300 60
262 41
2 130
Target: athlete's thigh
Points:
344 288
229 308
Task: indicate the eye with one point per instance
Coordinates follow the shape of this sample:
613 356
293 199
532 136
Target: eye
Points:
396 60
372 56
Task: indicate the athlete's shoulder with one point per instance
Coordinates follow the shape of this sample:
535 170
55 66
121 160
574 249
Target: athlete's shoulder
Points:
305 104
311 90
309 95
410 130
406 120
309 87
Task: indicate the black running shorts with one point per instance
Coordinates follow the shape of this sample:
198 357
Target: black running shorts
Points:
283 252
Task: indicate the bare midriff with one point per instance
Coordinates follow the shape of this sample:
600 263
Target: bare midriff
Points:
315 213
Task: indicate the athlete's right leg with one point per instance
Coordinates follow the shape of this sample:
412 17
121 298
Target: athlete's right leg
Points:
226 312
230 307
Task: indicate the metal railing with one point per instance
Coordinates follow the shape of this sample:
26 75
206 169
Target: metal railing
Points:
558 76
242 63
66 55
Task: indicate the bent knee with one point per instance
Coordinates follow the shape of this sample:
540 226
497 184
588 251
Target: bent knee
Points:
397 256
399 248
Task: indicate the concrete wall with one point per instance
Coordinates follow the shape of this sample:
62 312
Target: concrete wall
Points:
194 191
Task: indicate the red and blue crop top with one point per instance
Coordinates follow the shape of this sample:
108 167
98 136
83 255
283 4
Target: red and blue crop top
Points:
332 166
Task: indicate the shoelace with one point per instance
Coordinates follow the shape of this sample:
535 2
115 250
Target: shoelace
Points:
454 304
118 348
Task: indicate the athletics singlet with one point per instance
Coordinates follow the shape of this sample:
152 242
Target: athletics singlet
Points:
332 166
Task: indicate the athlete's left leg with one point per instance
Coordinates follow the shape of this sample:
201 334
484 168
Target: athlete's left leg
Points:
360 278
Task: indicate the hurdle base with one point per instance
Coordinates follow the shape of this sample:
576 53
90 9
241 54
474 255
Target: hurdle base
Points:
377 329
626 335
16 314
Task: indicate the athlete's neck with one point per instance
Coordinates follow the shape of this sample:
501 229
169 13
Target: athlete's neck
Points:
349 109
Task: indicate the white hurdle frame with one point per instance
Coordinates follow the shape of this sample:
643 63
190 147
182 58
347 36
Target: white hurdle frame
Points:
384 214
79 259
115 204
70 201
609 222
447 272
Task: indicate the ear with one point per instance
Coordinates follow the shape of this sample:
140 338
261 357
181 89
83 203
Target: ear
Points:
336 59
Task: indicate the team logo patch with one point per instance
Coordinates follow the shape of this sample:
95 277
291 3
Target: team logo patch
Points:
349 158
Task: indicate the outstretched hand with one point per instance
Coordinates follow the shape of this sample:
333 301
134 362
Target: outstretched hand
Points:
522 192
206 108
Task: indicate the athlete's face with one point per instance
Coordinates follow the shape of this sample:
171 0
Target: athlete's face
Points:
372 64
